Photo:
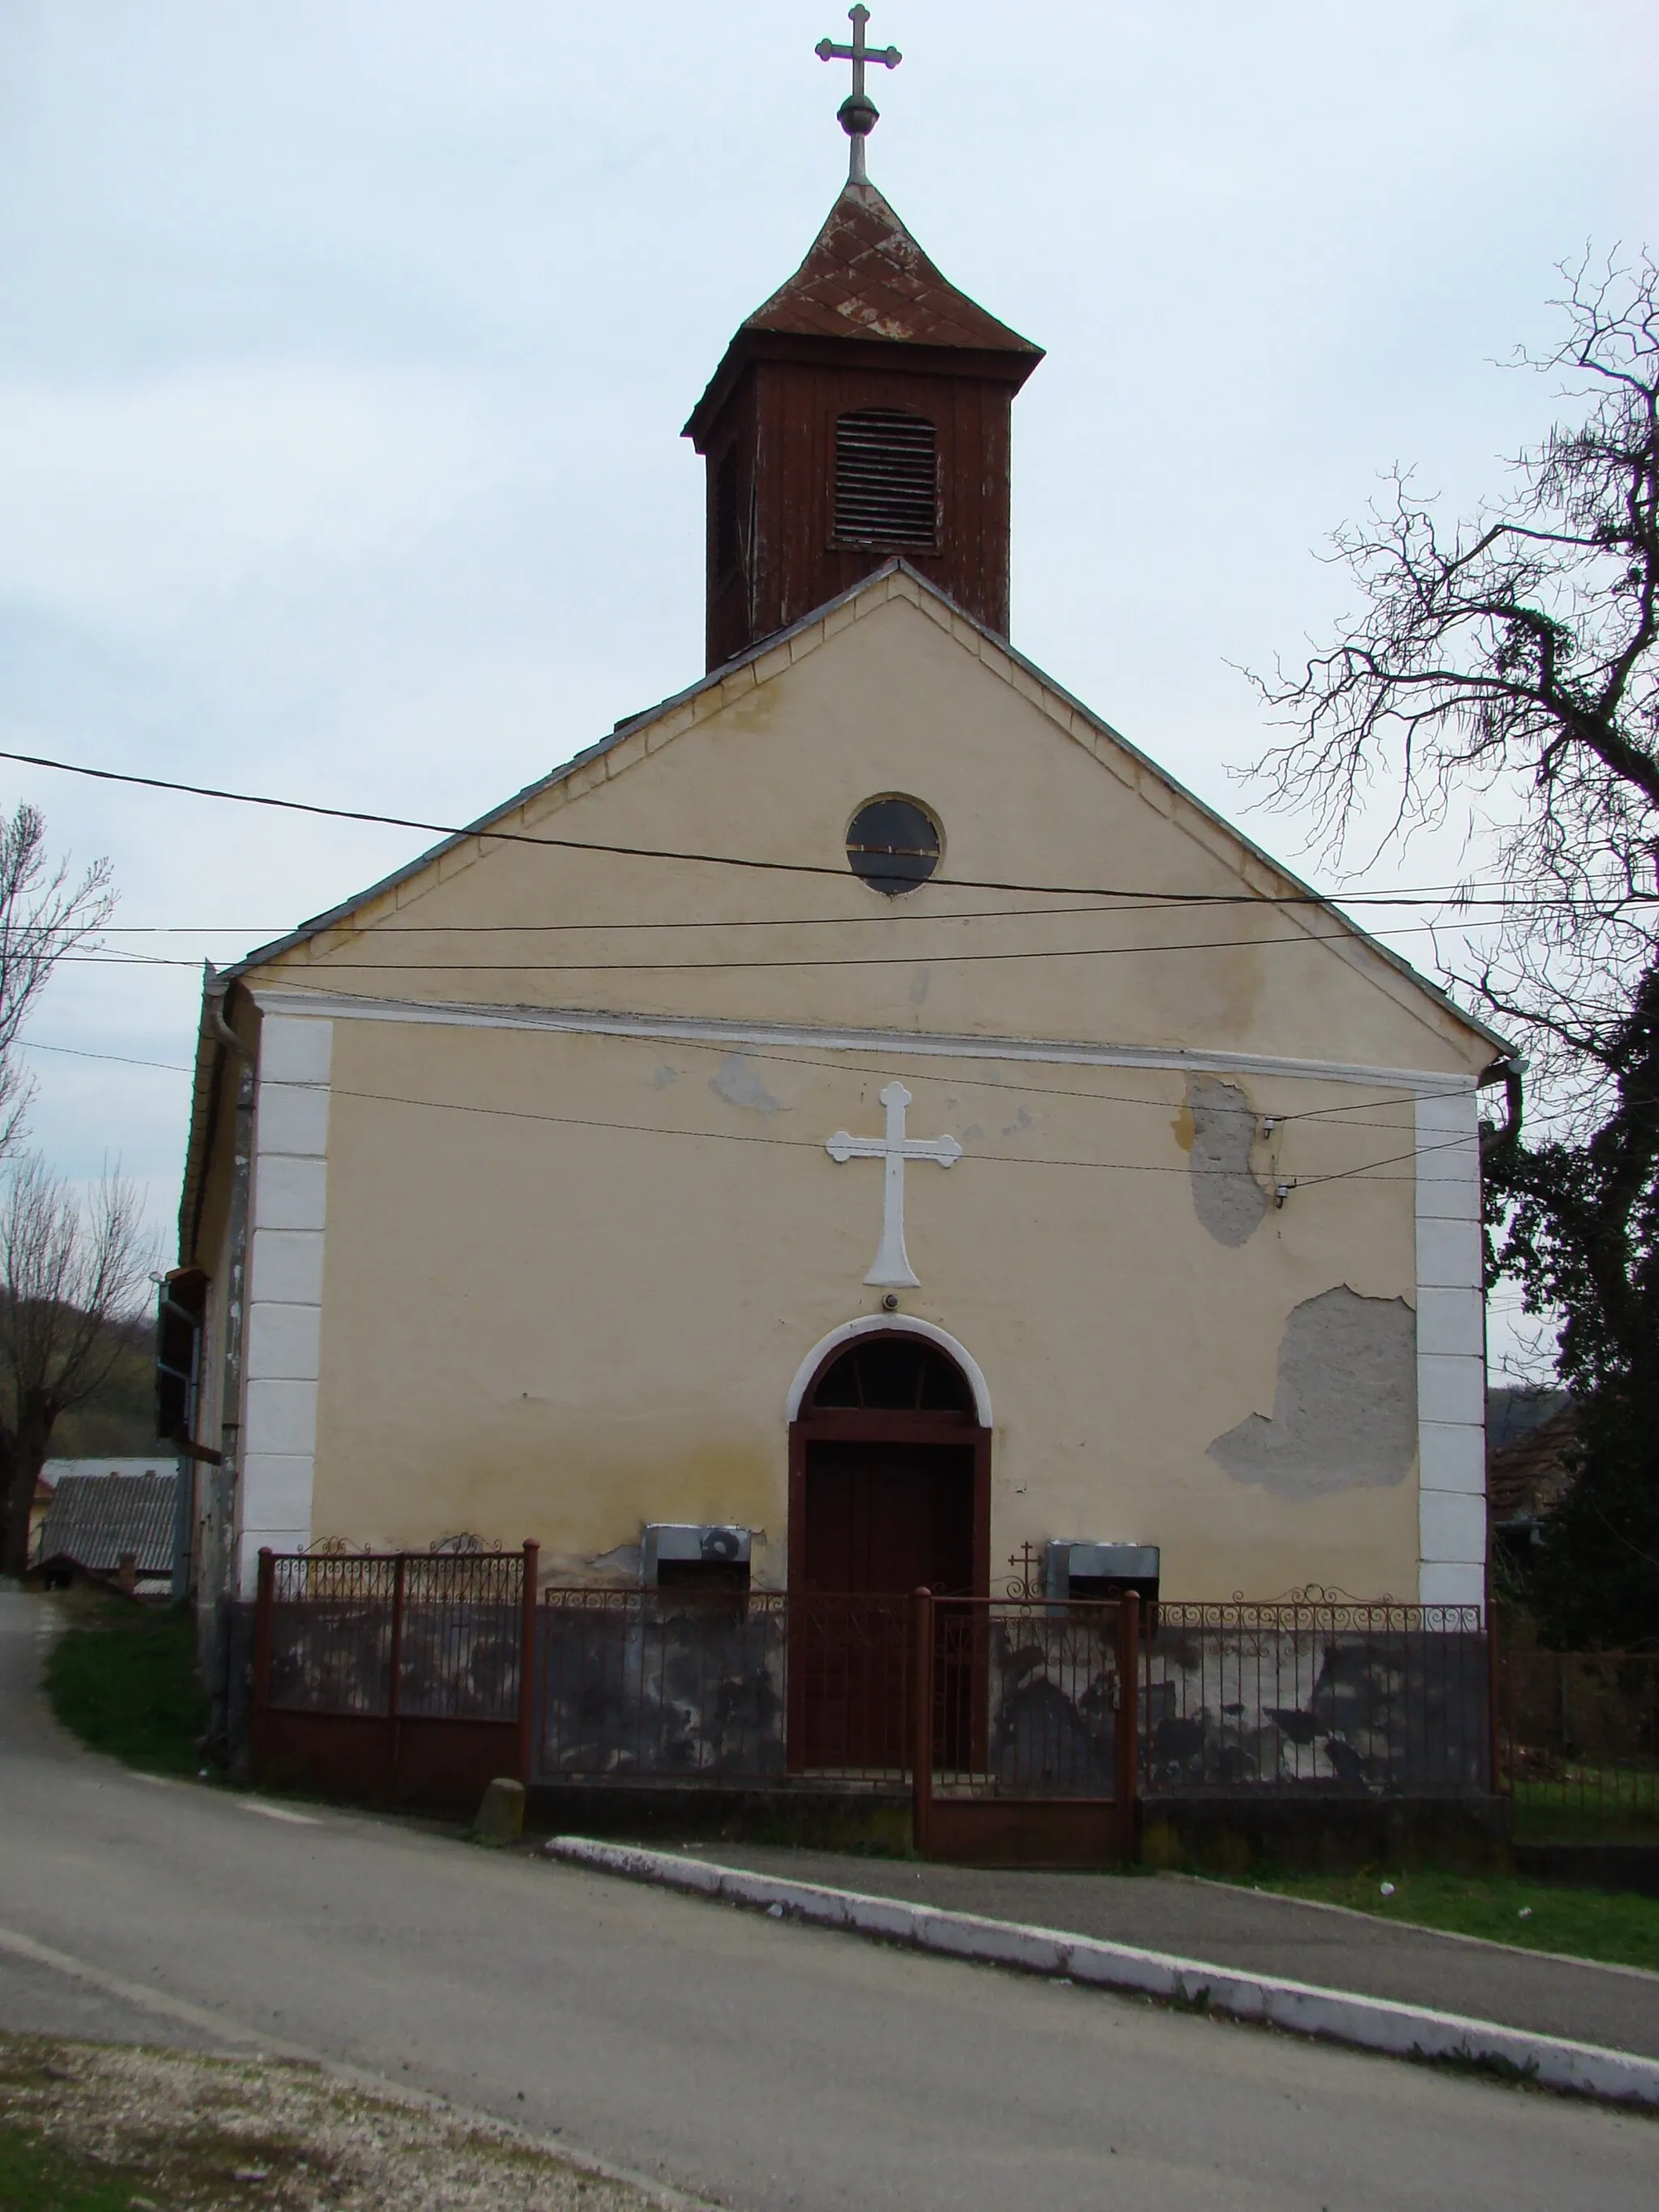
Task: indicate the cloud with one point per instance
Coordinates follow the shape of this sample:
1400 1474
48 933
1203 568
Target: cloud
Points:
138 505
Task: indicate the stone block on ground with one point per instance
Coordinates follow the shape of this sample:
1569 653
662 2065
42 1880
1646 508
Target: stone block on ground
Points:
501 1815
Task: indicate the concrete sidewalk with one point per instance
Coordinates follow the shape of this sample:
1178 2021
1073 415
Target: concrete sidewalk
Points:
1615 2007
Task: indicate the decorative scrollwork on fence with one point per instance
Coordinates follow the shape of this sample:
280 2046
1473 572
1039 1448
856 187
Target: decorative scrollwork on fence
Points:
1315 1607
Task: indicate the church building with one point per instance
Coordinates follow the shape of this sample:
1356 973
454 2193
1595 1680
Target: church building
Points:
860 1122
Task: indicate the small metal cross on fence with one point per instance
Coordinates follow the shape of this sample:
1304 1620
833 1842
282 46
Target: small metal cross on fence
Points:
858 113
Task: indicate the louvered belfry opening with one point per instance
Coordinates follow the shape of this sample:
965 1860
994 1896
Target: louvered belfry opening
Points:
886 479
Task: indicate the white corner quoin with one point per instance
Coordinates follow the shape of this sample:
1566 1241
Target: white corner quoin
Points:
288 1211
1451 1353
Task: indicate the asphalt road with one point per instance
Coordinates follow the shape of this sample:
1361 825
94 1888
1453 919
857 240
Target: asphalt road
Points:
748 2060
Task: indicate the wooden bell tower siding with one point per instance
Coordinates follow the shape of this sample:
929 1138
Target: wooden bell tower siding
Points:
802 503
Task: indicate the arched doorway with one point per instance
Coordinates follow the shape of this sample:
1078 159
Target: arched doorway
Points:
890 1472
890 1486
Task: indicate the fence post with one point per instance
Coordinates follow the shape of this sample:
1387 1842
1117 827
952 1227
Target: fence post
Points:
395 1669
921 1724
527 1665
1494 1701
1128 1777
263 1598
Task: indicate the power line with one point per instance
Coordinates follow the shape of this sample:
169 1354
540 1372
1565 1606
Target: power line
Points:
122 1058
1148 903
815 1145
712 860
329 962
846 1067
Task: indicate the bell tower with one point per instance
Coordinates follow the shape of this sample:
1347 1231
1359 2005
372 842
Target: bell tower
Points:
863 411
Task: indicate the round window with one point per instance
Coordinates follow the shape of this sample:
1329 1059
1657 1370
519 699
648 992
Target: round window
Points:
892 845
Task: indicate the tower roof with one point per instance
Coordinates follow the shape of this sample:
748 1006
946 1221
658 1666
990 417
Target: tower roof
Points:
866 277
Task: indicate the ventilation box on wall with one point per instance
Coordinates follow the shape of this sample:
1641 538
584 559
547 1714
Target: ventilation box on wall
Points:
1085 1570
694 1555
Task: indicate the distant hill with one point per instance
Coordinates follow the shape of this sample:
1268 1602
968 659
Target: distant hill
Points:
119 1421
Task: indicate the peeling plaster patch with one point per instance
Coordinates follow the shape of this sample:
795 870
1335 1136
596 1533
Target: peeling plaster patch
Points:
919 986
624 1560
1344 1410
664 1075
740 1083
1021 1123
1227 1199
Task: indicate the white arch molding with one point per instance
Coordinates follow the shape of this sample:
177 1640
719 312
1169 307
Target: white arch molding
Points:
891 1325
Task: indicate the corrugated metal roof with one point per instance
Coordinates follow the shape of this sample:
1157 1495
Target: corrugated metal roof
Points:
866 277
97 1519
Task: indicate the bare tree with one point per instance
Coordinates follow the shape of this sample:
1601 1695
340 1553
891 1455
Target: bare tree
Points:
45 913
66 1275
1514 661
1506 671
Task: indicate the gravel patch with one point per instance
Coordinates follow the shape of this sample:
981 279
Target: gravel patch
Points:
186 2132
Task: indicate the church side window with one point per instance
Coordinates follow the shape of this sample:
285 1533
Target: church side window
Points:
886 479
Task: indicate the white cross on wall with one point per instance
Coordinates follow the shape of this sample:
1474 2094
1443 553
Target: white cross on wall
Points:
892 1267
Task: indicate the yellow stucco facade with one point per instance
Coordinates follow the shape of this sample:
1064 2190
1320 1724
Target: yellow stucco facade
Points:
540 1224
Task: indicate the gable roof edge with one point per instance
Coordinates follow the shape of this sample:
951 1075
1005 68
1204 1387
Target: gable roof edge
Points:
990 648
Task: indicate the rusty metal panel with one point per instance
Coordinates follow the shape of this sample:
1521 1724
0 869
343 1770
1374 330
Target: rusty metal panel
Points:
1024 1832
865 276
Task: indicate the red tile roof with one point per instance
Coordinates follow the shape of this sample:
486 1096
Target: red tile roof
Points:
866 277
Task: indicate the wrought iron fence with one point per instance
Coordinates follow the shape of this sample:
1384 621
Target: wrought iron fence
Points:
1579 1735
412 1634
456 1662
1316 1693
395 1677
1026 1697
665 1685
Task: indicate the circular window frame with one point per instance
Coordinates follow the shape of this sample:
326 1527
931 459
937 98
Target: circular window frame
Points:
898 890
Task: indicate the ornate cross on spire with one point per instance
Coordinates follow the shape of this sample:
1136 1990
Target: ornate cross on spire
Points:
858 113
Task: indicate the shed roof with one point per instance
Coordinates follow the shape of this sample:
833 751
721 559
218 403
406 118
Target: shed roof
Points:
97 1520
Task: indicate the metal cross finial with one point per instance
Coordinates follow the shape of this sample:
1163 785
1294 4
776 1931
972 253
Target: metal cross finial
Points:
858 113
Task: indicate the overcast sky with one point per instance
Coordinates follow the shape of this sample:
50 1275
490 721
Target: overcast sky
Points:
345 347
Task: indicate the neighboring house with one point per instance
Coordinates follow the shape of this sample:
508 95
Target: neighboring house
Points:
918 1128
1514 1409
38 1505
116 1526
1526 1480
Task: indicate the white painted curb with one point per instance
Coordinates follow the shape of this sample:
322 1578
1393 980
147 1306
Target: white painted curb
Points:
1368 2023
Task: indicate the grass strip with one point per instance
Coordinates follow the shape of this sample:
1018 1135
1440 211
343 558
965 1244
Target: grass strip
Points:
124 1679
1612 1928
37 2176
